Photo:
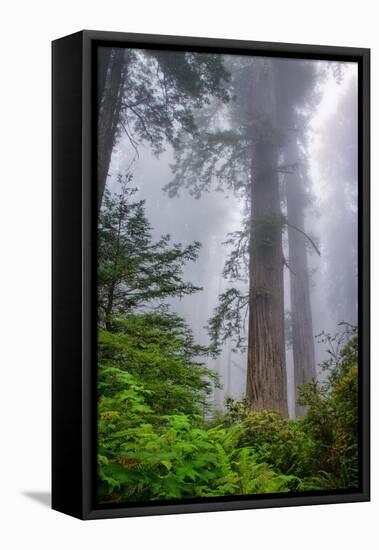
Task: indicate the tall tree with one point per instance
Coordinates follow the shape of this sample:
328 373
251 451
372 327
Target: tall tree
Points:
293 88
302 335
245 157
135 272
266 371
296 82
150 95
138 333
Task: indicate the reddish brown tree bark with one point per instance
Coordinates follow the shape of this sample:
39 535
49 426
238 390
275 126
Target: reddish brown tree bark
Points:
301 316
296 81
266 371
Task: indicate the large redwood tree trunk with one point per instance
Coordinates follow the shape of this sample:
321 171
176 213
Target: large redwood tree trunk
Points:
266 371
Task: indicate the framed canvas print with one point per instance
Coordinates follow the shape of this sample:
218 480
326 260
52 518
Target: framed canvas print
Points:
210 274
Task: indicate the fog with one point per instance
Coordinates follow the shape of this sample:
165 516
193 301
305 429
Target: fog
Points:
330 220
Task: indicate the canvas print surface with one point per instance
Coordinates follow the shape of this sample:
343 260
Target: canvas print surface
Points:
227 304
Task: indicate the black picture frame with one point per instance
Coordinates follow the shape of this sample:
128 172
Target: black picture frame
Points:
73 272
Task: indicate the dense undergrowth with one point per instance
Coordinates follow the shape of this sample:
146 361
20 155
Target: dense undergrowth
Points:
158 440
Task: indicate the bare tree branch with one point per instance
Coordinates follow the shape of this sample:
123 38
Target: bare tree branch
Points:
305 235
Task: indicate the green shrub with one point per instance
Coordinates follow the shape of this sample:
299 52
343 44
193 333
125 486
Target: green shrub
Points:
332 410
159 350
280 442
148 452
139 460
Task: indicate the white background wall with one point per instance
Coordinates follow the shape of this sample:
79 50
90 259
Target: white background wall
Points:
26 31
